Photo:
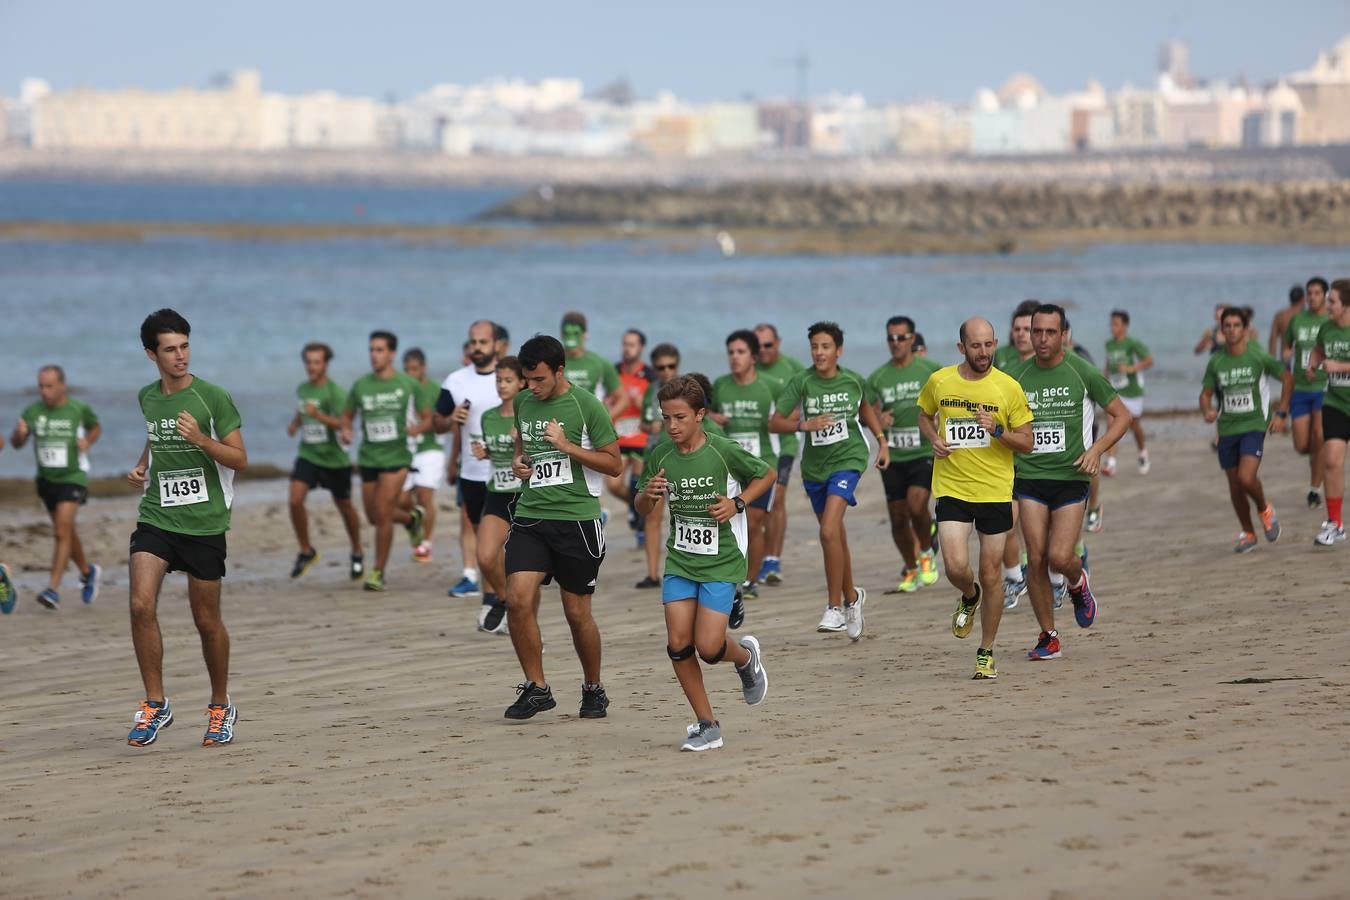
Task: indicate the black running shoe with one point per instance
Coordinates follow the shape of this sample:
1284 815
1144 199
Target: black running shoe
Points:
492 620
532 699
737 617
594 701
303 561
1314 499
358 569
647 582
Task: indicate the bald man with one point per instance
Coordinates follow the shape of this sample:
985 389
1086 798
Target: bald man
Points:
976 417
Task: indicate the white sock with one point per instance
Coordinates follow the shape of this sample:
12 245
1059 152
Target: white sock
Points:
1012 573
471 574
1056 578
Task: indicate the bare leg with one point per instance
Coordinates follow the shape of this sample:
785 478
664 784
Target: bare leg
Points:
1035 519
1012 549
299 517
1137 429
585 633
426 498
833 548
680 634
903 531
654 543
204 597
920 520
755 545
1251 483
468 538
351 522
1318 447
147 573
491 563
63 533
991 579
955 537
522 614
1333 463
1238 495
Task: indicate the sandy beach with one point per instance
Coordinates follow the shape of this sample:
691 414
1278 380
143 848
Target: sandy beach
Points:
372 759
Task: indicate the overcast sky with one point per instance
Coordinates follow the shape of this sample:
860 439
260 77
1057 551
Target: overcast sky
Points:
897 50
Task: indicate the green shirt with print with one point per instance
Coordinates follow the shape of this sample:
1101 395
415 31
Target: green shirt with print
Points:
1125 352
1243 394
748 408
561 488
1061 399
782 371
592 373
838 447
427 392
500 442
897 389
1335 343
187 492
386 406
319 444
1005 357
56 434
1301 335
699 547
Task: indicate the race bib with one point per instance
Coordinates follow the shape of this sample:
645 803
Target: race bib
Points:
1339 379
1047 437
551 470
904 438
831 434
1119 380
697 536
314 433
53 455
505 480
628 427
379 431
1304 358
749 441
1239 403
966 434
182 487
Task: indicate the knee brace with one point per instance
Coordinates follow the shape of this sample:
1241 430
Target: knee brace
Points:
680 655
710 660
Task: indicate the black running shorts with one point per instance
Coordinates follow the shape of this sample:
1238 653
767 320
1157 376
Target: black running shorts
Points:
1335 424
899 477
501 505
1050 492
336 481
201 556
371 474
53 493
568 552
989 518
474 494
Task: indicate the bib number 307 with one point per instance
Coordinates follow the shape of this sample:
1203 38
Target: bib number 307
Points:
183 487
551 471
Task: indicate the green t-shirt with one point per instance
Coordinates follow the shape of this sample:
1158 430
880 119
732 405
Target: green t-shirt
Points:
898 391
1006 357
1125 353
700 548
1301 335
748 409
840 447
592 373
782 370
427 392
1335 343
187 492
1061 399
500 444
386 406
1244 397
318 443
560 487
56 434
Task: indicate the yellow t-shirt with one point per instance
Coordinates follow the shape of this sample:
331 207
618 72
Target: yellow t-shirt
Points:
980 468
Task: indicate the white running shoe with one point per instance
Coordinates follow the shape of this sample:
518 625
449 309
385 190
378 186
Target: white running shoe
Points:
1143 464
1109 467
833 620
853 614
1012 590
1331 533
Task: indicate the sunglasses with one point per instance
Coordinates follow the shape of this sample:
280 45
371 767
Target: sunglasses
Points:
766 345
899 338
668 368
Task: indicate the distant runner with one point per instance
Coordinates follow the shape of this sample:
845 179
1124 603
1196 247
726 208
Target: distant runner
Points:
1126 360
780 366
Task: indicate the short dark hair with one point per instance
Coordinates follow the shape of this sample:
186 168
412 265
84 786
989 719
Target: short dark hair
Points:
665 350
389 338
1051 309
52 367
918 340
901 320
499 332
1318 279
831 328
1025 308
689 388
1121 314
414 353
1342 288
542 348
1240 312
512 363
642 338
162 321
317 347
1296 294
572 317
749 337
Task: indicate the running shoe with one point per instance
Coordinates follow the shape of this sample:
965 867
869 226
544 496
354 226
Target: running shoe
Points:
416 533
1331 533
1144 466
833 620
49 599
1046 648
909 581
1246 543
1094 520
533 699
754 680
1060 590
703 736
736 618
763 572
466 587
594 701
853 614
1084 603
89 583
493 618
774 575
984 666
640 540
7 596
1269 524
374 581
422 553
749 591
220 723
648 582
150 718
1109 467
963 620
1314 498
1012 590
928 573
358 566
932 537
304 562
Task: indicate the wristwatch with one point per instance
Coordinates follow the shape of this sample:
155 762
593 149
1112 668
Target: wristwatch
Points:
740 504
998 432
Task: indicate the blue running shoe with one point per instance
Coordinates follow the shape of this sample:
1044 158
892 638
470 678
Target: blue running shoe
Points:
774 571
49 599
1047 647
7 596
220 723
1084 604
150 718
467 587
89 584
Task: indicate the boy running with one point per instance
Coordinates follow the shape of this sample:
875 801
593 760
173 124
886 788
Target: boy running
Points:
1332 354
1126 359
1298 338
498 447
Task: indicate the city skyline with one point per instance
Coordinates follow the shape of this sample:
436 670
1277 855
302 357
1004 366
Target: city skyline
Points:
703 52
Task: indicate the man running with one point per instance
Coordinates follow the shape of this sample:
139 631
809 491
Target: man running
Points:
635 377
322 460
1298 338
908 480
498 447
565 448
63 429
1280 324
589 371
1237 373
1126 359
666 366
428 463
976 417
781 367
1018 350
1332 355
743 403
825 402
1053 480
186 473
388 401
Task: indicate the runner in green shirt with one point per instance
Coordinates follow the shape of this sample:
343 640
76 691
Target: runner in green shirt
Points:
908 480
186 471
428 471
322 459
1052 482
825 402
1017 350
498 447
666 365
1332 355
743 403
63 429
1298 338
1238 373
707 482
772 361
393 411
1126 360
565 446
590 371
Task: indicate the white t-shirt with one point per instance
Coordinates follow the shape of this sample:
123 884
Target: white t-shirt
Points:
481 391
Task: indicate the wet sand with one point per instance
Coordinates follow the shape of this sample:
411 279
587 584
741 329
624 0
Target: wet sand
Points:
372 759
